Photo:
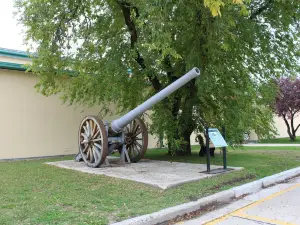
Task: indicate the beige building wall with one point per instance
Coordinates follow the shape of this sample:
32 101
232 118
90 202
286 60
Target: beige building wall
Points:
282 128
193 139
34 125
279 124
14 60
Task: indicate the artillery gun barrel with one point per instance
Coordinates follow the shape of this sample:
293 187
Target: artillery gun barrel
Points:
118 124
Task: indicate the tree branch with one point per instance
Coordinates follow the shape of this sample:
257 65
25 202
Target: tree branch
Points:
65 19
292 125
297 128
261 9
294 113
288 126
126 9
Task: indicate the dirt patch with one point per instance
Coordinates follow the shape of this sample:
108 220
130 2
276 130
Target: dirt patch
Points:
233 181
197 213
66 207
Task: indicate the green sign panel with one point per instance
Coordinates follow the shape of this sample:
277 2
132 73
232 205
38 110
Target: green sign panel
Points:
216 138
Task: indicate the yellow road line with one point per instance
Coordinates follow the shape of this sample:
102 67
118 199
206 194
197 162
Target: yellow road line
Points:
270 197
261 219
220 219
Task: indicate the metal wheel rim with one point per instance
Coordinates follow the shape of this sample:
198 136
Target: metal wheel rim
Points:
93 141
136 131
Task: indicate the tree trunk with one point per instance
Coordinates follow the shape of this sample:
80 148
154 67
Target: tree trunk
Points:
294 131
186 123
293 138
185 149
171 144
290 133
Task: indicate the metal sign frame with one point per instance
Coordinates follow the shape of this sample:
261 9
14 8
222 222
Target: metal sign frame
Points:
218 140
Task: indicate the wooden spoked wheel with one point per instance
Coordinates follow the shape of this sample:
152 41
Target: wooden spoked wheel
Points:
136 139
93 143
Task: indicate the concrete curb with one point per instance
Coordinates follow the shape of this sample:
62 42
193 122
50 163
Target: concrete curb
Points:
172 212
224 196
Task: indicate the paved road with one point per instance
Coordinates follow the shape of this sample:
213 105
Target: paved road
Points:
278 205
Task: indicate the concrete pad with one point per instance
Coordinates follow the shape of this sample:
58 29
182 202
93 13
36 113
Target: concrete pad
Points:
161 174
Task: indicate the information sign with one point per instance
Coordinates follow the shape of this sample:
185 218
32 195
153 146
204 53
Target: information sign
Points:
216 138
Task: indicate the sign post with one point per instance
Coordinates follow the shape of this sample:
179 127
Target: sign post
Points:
207 149
218 140
224 150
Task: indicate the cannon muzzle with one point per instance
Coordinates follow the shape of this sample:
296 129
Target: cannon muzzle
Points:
118 124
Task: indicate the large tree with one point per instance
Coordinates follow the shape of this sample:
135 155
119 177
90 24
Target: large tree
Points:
238 45
288 104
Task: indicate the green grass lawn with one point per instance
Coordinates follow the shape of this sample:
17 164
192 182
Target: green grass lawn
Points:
285 140
266 148
35 193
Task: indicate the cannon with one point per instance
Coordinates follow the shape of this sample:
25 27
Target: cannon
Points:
128 134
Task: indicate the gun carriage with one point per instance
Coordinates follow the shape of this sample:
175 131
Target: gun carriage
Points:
128 134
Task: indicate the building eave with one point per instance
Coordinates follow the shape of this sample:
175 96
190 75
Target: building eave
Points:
13 53
12 66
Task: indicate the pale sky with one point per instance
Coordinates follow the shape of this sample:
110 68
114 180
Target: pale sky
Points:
11 33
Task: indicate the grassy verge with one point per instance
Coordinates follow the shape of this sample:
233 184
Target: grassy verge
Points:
267 148
285 140
260 148
35 193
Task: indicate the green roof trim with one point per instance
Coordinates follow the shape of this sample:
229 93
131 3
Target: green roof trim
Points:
13 53
12 66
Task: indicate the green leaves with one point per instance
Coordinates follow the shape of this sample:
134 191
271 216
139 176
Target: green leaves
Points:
240 46
216 5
